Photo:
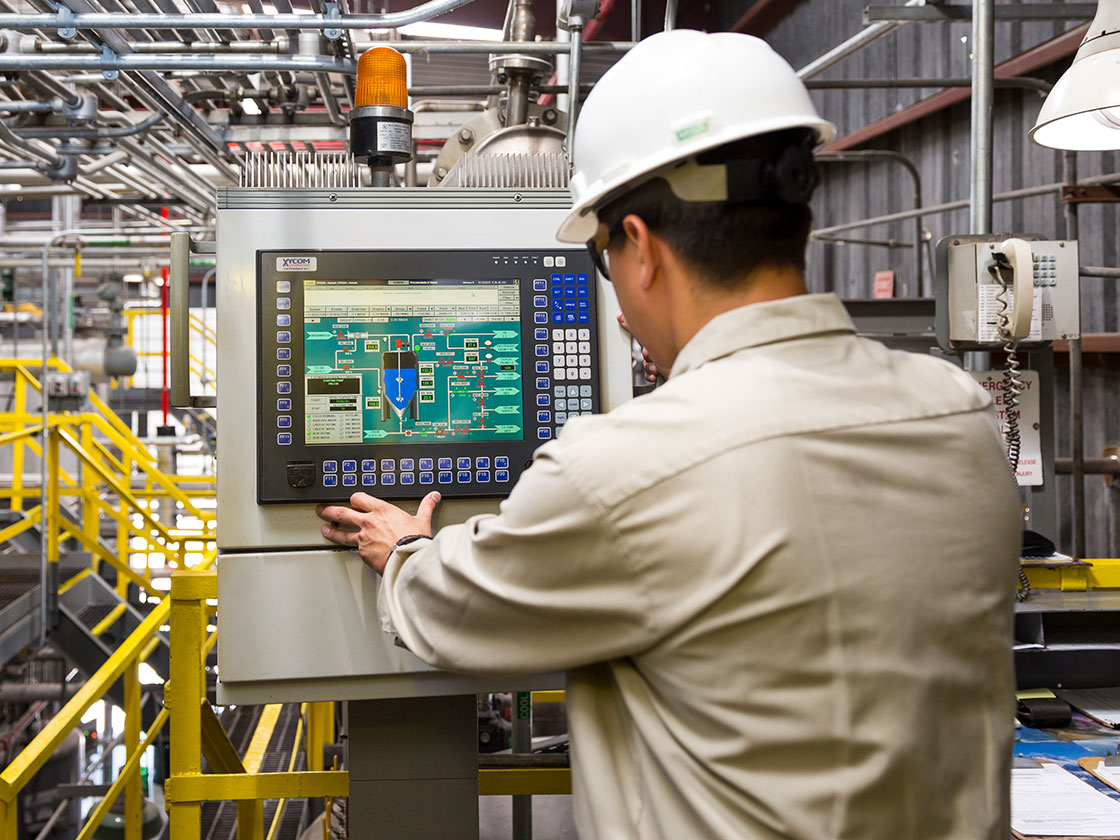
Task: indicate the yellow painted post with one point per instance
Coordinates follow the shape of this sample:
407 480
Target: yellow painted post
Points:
17 447
133 794
91 520
52 496
185 693
124 548
320 731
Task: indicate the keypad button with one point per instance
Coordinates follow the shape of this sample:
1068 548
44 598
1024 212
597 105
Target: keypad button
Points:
388 479
463 463
349 480
570 334
388 465
582 292
560 373
584 335
284 404
582 305
445 478
540 301
585 360
569 291
407 464
283 320
426 464
284 439
408 478
584 347
540 285
558 306
558 361
349 466
369 479
283 303
561 262
284 421
542 384
369 465
541 334
544 417
557 335
572 360
585 390
557 291
585 404
482 476
283 370
283 354
569 306
482 463
425 478
543 399
540 317
584 373
569 279
573 390
561 405
501 462
558 347
283 387
544 434
558 317
501 475
585 317
561 418
582 279
330 466
283 286
330 481
570 317
445 463
557 278
283 337
541 350
463 477
570 347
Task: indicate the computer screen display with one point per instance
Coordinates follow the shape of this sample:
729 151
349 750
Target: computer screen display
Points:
412 360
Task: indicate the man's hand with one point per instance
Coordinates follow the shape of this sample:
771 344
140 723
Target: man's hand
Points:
373 526
649 368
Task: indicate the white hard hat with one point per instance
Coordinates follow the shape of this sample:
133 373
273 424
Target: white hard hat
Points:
672 96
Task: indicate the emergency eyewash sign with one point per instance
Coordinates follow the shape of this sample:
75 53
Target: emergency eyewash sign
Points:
1030 451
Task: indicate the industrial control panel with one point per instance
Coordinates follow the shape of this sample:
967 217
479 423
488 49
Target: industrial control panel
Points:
400 372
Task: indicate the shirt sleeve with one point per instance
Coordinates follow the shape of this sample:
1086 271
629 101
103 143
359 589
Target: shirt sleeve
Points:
544 585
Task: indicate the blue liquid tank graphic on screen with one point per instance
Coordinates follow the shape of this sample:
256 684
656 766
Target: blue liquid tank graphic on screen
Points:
412 360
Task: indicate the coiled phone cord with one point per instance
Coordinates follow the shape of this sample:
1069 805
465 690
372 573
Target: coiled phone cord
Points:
1013 387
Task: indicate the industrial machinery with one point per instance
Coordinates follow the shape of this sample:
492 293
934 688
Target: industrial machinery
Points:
358 352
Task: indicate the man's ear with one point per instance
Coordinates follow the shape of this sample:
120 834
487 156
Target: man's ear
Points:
647 246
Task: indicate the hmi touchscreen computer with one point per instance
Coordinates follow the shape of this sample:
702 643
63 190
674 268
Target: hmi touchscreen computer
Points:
402 372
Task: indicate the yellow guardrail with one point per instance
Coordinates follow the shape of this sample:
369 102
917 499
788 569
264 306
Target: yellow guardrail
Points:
198 327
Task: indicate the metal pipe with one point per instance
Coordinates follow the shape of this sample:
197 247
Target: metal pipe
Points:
962 204
915 176
63 133
865 37
1092 466
670 15
983 72
1029 82
489 90
1099 271
275 46
34 149
29 106
852 240
127 20
52 86
204 377
574 67
635 20
30 692
109 160
1076 381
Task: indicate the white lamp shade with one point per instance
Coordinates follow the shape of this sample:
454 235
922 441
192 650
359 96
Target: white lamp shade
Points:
1082 112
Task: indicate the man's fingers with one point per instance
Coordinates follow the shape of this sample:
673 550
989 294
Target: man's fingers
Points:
366 502
622 322
339 536
339 514
427 509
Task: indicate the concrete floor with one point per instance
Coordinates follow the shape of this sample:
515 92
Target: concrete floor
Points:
552 818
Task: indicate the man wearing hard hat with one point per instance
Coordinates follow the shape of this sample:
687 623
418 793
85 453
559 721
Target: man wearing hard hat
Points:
782 583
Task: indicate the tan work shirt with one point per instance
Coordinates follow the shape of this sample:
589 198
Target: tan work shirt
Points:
781 584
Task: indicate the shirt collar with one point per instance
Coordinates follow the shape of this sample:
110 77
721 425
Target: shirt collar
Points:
763 323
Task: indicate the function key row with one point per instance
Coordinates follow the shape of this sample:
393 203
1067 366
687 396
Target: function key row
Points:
410 478
501 462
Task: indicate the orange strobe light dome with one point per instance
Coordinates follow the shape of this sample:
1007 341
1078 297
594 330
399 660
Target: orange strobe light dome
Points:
381 79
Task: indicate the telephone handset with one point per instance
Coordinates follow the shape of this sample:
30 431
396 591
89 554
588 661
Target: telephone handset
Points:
1014 255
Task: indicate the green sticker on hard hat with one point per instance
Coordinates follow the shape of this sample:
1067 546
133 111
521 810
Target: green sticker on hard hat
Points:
690 131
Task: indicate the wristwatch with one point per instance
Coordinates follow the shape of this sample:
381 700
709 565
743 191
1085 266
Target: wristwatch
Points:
411 538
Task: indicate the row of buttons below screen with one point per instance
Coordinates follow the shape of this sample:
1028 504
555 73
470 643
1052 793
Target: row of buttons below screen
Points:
501 462
389 479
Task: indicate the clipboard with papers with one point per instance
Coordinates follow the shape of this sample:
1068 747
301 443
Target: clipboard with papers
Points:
1051 803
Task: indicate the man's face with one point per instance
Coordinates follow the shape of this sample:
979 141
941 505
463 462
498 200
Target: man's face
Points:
641 304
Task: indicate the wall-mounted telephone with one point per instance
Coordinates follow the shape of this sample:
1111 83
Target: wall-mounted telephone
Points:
1031 282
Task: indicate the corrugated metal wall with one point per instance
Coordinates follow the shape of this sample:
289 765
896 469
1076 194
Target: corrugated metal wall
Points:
939 146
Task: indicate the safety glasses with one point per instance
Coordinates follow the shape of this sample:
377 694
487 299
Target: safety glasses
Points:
597 248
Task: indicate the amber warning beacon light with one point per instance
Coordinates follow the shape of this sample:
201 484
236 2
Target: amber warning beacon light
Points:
380 123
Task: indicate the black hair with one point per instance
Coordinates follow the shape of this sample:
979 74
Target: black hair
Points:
724 243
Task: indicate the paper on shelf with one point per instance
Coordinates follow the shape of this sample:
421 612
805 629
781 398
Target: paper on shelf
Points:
1051 801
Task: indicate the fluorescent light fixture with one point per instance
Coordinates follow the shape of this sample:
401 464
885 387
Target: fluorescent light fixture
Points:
452 31
1082 112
